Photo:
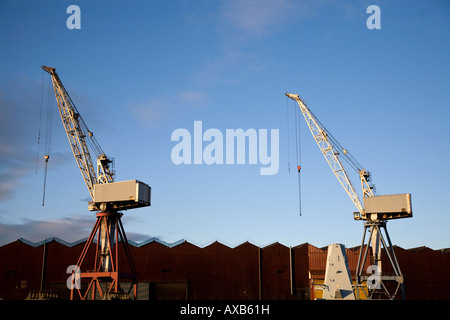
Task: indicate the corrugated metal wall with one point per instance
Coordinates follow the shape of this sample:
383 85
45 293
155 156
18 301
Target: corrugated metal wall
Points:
186 271
426 273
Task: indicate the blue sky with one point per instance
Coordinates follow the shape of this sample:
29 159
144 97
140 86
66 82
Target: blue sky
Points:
138 70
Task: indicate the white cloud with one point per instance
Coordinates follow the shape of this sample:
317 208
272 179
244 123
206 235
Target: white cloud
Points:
66 228
157 110
240 25
194 98
256 18
150 113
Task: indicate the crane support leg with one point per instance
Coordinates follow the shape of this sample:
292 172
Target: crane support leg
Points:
379 285
103 280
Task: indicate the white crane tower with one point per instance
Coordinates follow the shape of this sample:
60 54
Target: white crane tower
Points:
108 199
375 211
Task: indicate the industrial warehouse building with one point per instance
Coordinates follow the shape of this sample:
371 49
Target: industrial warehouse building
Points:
183 270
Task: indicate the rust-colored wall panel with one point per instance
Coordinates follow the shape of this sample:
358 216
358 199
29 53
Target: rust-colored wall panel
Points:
276 272
213 272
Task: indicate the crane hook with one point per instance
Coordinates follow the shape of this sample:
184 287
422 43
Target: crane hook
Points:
46 157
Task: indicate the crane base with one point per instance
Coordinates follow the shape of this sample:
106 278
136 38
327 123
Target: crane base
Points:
103 280
379 285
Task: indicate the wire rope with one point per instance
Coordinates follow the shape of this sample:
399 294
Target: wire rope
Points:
40 121
298 156
48 137
288 134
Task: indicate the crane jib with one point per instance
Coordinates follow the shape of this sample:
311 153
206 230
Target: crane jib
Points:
80 137
329 151
73 124
380 207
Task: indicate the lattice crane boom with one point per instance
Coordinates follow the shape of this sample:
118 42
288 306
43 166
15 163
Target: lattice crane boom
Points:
106 194
78 136
373 207
331 150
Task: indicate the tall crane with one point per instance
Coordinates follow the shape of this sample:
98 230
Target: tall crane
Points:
374 210
108 197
